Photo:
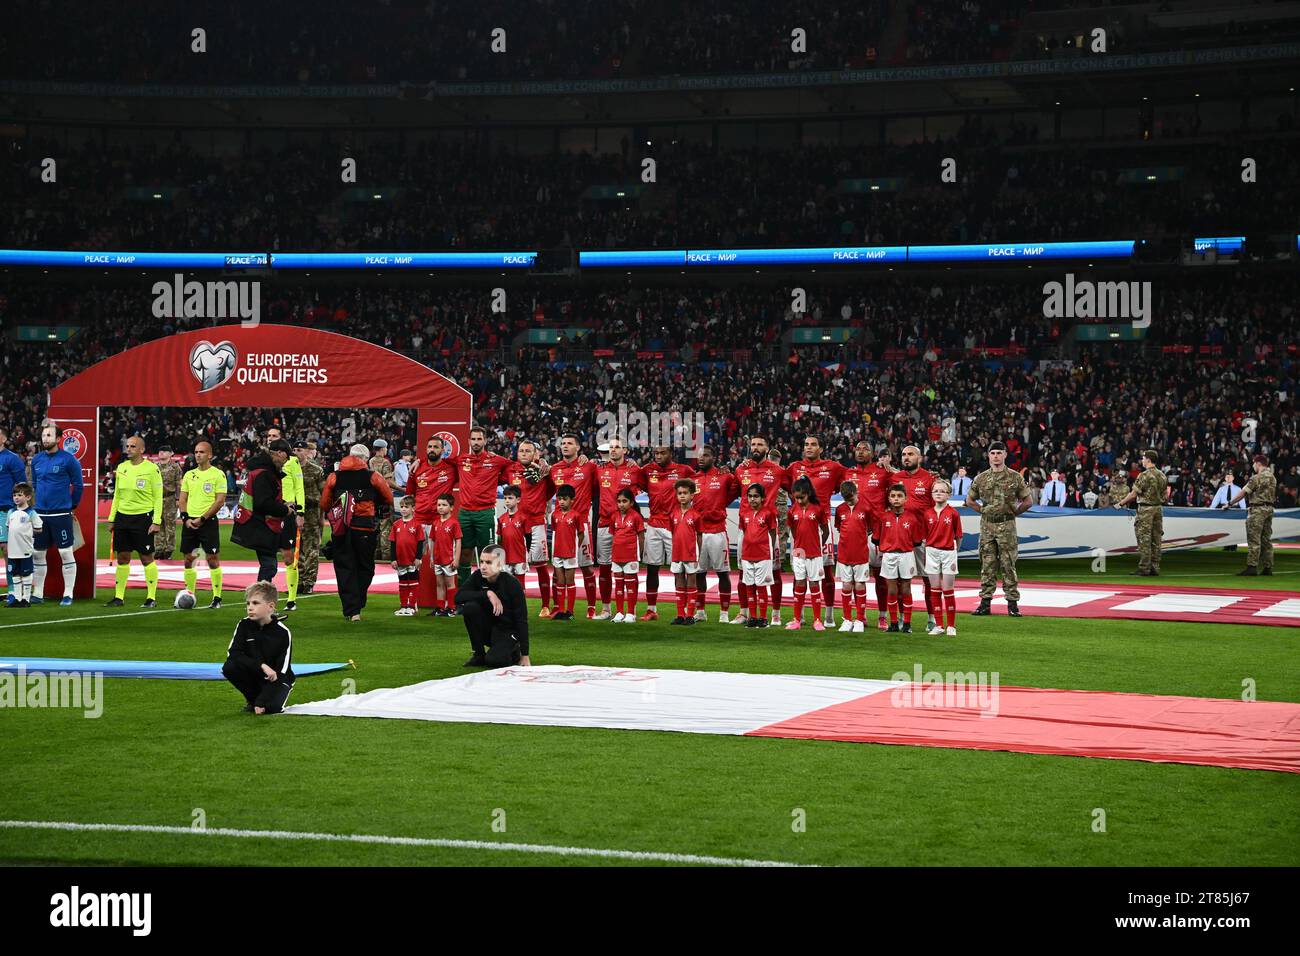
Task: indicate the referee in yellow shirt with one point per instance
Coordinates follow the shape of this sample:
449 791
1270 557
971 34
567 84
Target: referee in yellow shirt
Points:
291 490
203 492
135 517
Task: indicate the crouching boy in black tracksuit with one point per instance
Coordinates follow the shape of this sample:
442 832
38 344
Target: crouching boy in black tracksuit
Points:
258 659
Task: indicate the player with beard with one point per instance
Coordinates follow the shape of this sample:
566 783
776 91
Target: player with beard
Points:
479 474
530 474
661 476
613 475
873 481
772 478
427 480
826 477
918 482
716 488
580 474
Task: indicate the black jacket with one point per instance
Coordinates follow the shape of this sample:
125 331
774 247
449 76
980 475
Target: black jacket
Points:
514 608
254 533
254 645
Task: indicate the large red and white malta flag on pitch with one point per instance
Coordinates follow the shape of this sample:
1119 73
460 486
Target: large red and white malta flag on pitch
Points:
966 711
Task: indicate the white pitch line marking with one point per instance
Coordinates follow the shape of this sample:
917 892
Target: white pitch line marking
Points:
649 856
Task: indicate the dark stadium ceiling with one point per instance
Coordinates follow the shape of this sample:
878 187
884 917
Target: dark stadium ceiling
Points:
902 97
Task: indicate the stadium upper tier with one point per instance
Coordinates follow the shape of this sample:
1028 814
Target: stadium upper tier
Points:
1011 187
341 42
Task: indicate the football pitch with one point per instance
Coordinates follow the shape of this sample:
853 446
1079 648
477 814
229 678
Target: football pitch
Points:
170 753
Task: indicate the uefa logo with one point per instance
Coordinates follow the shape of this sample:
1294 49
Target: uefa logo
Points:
74 443
212 364
450 444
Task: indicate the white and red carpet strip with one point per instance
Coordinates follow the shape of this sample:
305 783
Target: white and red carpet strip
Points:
978 716
1039 598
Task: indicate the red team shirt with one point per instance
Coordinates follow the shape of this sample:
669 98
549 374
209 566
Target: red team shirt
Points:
444 535
768 474
756 528
512 534
825 476
612 480
532 497
582 478
686 529
806 523
714 491
943 528
425 483
406 537
567 526
659 484
918 484
854 525
479 476
899 533
627 543
873 486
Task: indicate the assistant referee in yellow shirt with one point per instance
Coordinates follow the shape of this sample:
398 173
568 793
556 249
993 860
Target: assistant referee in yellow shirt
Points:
135 517
203 492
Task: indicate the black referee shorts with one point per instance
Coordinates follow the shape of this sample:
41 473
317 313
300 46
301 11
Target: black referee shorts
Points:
288 534
131 533
207 537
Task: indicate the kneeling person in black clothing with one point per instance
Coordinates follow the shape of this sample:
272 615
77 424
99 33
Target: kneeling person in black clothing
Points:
492 604
258 659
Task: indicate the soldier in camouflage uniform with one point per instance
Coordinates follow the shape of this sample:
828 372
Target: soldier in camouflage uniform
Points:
998 494
382 466
1262 492
164 542
313 483
1149 525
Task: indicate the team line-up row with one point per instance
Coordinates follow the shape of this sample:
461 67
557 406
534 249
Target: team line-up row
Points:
894 524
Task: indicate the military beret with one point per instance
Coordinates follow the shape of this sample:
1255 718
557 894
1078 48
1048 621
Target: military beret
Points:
997 446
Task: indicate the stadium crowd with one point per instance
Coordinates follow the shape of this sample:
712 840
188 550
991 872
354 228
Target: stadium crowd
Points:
949 366
435 195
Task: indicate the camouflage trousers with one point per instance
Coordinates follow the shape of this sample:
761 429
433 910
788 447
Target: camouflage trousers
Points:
384 547
309 548
1259 535
998 550
1149 528
164 542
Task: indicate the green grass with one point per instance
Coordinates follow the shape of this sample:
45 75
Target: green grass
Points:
164 748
